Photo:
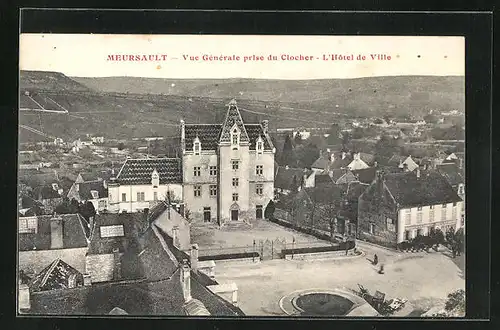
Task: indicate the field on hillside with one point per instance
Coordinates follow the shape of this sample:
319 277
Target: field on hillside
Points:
123 108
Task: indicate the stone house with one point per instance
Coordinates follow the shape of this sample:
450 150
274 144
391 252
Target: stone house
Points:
399 206
287 179
227 169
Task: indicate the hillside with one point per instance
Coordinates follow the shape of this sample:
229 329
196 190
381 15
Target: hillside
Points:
121 107
441 91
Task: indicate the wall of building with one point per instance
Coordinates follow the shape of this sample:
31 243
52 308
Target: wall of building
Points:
374 208
226 174
100 267
132 205
166 223
430 218
37 260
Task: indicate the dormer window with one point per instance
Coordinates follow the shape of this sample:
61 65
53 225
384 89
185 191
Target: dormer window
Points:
235 138
196 146
155 179
260 145
95 194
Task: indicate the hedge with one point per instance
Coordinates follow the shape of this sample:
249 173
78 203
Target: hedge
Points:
340 247
230 256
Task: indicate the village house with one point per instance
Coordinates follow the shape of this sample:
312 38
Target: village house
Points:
406 163
89 187
399 206
329 161
336 176
42 239
170 284
228 169
56 276
289 179
142 183
49 196
349 211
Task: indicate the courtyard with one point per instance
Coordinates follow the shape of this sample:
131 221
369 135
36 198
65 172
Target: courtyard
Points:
425 279
227 240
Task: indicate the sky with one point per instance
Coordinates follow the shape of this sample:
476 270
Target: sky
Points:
86 55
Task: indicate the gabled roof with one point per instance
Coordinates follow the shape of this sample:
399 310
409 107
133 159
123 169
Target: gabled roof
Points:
322 178
86 187
366 175
283 178
322 163
233 117
159 294
45 192
208 135
55 276
326 193
430 188
73 233
132 223
452 173
138 171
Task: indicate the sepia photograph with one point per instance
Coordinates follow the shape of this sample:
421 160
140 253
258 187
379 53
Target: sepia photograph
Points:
241 175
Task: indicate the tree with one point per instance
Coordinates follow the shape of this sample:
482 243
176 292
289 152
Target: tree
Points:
346 137
306 155
288 154
298 138
334 137
269 211
454 306
378 121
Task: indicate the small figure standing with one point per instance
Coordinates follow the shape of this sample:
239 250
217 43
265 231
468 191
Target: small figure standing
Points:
375 260
381 271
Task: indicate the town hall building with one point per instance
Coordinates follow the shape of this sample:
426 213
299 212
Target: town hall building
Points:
227 169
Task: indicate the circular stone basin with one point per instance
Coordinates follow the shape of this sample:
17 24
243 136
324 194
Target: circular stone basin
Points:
322 304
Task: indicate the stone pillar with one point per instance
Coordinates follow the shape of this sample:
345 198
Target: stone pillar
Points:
194 257
24 298
186 281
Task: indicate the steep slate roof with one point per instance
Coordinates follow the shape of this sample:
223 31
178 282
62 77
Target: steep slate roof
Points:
283 178
159 294
452 174
366 175
73 233
55 276
367 158
322 178
233 117
254 131
430 189
208 135
132 224
325 193
322 162
86 187
138 171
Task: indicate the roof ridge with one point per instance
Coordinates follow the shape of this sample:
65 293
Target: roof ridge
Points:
49 271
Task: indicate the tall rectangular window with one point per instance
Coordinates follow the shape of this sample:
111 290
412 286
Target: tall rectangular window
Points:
391 226
140 197
407 217
235 182
213 190
235 197
443 212
259 169
259 189
419 214
235 164
197 171
213 170
197 191
431 213
124 197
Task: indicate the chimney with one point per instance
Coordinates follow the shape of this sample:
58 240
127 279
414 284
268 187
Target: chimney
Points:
186 281
194 257
117 265
343 154
265 126
356 155
105 184
375 164
183 135
418 172
24 303
175 236
87 279
56 232
405 167
332 157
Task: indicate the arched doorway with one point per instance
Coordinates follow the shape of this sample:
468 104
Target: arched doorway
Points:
234 212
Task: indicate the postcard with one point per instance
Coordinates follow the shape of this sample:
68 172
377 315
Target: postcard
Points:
241 175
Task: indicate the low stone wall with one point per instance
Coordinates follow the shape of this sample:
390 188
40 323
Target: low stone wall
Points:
321 255
238 261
